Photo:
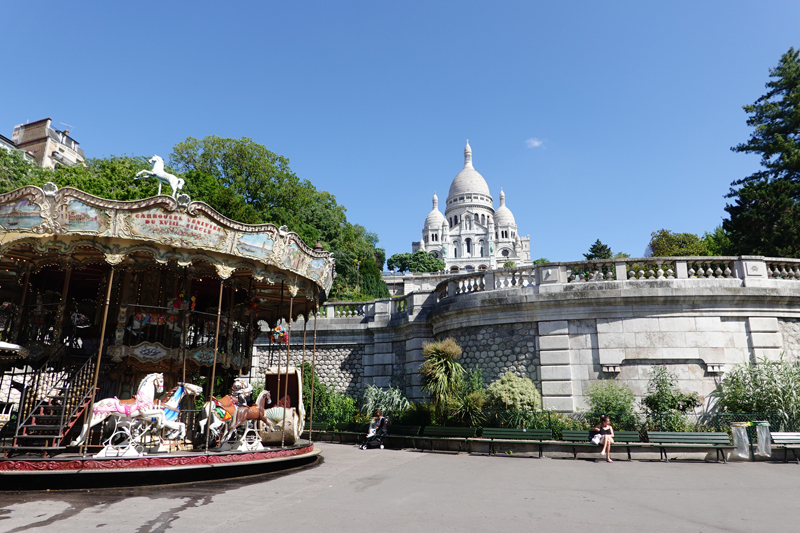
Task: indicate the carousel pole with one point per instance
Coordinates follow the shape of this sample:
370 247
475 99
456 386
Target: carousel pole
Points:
305 323
18 318
88 416
313 366
277 322
184 325
286 385
214 367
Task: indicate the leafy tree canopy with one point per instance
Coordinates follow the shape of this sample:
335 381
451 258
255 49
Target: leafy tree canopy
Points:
598 251
419 261
541 261
763 218
664 243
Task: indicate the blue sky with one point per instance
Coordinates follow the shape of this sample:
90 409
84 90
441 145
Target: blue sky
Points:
633 105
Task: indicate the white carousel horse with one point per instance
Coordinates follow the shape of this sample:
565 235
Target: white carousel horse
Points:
161 175
142 402
164 416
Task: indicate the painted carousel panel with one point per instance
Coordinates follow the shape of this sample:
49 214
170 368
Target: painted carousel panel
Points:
20 215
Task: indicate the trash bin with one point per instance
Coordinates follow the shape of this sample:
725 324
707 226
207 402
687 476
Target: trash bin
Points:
763 439
741 444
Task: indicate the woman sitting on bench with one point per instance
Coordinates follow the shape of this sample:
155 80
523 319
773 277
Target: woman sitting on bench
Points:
603 434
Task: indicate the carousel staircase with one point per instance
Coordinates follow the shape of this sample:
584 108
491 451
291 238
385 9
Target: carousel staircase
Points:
55 402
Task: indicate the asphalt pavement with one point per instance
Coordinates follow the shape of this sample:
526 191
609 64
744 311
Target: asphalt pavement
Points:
409 491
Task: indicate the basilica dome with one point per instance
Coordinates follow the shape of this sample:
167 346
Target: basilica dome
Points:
468 180
503 215
435 218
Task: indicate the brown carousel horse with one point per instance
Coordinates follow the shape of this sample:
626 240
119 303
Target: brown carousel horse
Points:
226 414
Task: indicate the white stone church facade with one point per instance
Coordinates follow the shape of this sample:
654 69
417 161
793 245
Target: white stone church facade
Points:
472 235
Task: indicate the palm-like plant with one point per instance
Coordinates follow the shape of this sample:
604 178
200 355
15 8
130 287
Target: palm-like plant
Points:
441 374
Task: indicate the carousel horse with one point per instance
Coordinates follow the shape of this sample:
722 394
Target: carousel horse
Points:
226 414
168 419
161 175
143 402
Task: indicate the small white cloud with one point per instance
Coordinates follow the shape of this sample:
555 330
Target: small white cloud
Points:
533 142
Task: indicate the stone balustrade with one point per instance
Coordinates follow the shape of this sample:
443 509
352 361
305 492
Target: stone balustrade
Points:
570 325
622 270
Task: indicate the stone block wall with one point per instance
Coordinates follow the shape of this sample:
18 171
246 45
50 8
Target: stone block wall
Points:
498 349
338 366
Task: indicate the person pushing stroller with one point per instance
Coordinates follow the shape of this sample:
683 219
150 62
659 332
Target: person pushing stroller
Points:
377 430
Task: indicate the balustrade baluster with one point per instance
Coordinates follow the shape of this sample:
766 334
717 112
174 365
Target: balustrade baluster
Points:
670 271
659 271
727 273
718 272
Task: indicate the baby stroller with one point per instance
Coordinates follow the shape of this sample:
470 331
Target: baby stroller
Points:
377 430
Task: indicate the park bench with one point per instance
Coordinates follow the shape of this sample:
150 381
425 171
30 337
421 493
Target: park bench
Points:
670 439
401 432
580 439
353 430
449 434
317 427
515 436
787 441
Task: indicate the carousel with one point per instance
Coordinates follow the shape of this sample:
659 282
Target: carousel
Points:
126 340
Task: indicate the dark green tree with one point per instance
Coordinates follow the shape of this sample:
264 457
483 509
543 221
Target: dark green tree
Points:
598 251
763 216
399 262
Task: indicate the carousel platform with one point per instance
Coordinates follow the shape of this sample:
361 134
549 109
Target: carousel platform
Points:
73 471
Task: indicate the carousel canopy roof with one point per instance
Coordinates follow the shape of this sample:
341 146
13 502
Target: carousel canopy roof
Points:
47 226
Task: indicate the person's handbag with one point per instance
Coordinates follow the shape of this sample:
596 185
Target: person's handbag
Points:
596 439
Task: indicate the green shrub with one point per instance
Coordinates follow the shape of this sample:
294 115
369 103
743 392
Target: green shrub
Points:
609 397
513 393
417 414
390 401
769 387
467 408
341 411
665 405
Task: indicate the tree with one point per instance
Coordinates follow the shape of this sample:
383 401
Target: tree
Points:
763 218
664 243
776 119
419 261
541 261
598 251
399 262
718 242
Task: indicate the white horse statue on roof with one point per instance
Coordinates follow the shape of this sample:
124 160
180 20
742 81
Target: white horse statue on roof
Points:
161 175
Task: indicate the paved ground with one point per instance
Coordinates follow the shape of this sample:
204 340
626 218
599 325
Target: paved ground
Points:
387 490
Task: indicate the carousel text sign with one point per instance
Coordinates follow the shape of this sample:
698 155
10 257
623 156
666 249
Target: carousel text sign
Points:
189 230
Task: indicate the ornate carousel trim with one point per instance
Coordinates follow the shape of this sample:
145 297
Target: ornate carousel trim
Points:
172 225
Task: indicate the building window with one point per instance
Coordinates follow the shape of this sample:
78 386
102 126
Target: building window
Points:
468 244
483 252
505 253
483 220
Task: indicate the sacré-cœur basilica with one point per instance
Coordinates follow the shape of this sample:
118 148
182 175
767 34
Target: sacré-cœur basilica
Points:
472 234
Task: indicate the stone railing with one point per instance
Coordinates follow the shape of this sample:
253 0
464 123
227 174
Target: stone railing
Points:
747 268
345 309
786 269
394 307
